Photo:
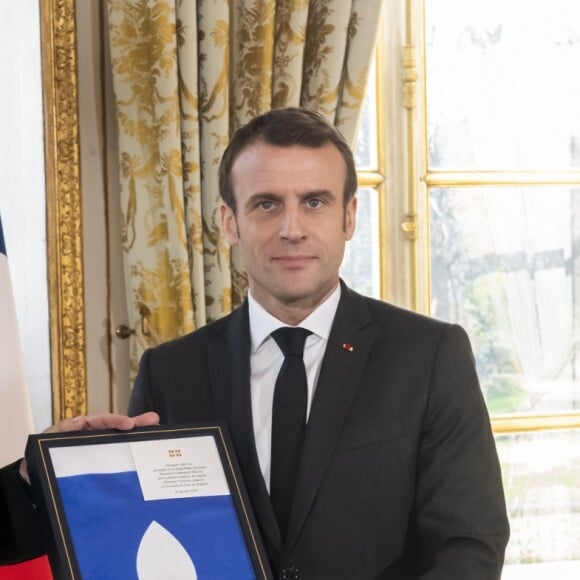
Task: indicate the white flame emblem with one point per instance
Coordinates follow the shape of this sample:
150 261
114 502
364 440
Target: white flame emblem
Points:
161 555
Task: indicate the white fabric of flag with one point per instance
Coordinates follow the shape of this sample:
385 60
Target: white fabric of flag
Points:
15 413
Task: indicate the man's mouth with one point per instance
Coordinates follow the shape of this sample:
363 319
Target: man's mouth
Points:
296 261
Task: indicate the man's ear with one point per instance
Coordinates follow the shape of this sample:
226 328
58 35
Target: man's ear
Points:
350 217
229 225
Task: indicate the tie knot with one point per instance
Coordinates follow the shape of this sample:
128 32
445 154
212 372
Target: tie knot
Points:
291 340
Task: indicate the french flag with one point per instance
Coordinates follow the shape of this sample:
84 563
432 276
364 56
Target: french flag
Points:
16 421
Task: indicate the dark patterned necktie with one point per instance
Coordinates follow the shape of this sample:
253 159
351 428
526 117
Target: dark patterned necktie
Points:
288 421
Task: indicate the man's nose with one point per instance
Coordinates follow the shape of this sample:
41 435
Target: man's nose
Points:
292 227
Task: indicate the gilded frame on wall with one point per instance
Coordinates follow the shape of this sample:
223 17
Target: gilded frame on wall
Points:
63 208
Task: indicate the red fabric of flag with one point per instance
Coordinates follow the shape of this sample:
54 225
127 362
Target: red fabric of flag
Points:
37 569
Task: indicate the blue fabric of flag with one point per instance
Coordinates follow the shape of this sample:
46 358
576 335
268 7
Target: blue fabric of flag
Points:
107 517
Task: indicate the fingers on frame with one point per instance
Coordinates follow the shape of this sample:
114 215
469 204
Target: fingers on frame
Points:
106 421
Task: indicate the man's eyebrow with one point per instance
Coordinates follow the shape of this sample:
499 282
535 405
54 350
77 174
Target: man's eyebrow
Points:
263 195
318 193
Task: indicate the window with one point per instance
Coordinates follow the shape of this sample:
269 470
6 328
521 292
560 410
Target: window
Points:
502 137
361 266
474 217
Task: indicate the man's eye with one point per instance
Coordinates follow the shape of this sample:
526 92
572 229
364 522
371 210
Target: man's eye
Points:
266 204
314 203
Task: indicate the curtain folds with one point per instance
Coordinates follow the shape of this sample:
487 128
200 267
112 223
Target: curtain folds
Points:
186 74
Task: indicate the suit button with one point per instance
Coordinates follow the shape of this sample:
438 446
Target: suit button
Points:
290 573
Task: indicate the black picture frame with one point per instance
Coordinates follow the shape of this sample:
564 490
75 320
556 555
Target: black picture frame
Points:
71 547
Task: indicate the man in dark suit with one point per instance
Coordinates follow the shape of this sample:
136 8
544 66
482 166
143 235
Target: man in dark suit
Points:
397 475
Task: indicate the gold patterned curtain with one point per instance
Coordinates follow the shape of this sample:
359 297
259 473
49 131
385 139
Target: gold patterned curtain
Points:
187 73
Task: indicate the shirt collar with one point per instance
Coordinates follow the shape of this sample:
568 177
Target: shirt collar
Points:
319 322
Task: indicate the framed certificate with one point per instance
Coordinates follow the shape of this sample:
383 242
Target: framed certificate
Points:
151 503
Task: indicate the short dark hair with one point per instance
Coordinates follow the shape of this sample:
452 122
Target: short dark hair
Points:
284 128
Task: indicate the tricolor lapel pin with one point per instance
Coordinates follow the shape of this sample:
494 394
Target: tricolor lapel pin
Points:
348 347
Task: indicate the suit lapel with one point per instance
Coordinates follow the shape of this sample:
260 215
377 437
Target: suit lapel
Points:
339 378
229 359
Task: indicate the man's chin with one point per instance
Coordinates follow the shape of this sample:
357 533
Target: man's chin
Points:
305 295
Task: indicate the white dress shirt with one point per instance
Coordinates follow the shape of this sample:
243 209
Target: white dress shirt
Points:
266 360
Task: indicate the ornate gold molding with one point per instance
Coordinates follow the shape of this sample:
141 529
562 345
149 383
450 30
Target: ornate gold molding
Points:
411 224
503 178
509 424
63 202
409 77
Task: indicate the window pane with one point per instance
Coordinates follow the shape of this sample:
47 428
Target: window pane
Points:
361 265
365 153
543 497
502 88
505 263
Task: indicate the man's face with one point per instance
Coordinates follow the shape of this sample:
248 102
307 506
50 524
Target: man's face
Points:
290 223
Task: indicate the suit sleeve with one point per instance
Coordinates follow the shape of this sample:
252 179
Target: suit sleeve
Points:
141 399
461 514
20 535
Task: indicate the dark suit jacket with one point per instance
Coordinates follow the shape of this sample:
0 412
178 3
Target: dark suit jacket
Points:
399 475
